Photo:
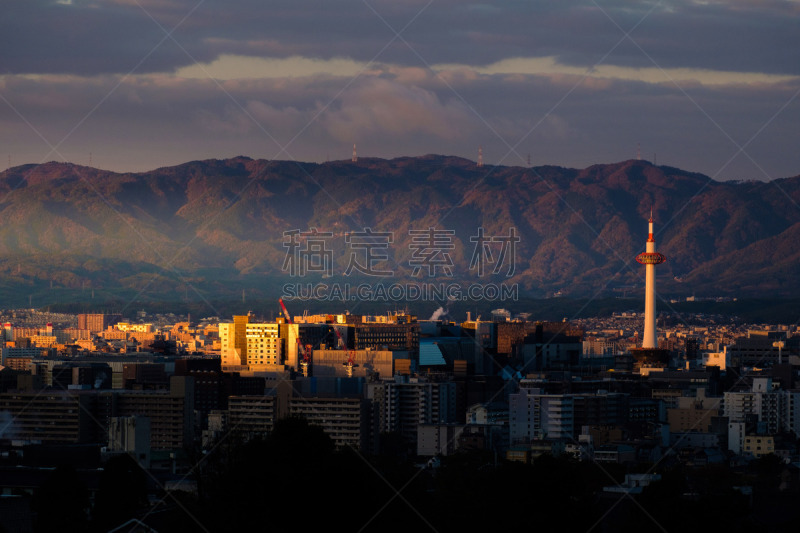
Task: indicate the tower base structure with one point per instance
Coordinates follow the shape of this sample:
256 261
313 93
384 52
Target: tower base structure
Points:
649 357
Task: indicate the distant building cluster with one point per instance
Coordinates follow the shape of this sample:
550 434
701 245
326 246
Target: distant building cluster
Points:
157 389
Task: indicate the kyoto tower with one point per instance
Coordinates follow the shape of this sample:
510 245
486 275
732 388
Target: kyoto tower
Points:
650 258
649 353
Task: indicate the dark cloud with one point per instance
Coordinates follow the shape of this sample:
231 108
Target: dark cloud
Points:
156 120
85 37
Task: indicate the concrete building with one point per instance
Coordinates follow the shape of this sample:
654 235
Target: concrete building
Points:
693 413
233 343
51 417
136 328
761 401
231 356
438 439
96 322
403 404
171 412
398 336
367 363
534 415
545 349
130 435
789 407
262 346
758 445
250 416
759 348
345 420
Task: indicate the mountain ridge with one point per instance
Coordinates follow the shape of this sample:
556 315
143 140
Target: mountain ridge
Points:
579 229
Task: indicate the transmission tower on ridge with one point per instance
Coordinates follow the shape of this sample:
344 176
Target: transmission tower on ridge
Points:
480 156
355 156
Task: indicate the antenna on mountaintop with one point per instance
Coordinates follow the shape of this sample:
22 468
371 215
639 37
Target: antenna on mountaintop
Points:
355 155
638 152
480 156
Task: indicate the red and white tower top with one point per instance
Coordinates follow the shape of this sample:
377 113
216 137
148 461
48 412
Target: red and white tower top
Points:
650 256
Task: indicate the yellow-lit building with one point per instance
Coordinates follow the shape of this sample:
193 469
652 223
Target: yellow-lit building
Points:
263 345
138 328
250 347
231 356
758 445
43 341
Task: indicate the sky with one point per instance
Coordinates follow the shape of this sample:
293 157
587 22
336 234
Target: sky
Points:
132 85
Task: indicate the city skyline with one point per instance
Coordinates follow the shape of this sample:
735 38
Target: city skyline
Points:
226 223
135 85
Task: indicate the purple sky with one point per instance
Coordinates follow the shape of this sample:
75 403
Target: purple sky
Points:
707 86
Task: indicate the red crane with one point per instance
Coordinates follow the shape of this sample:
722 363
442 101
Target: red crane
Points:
339 341
350 364
285 312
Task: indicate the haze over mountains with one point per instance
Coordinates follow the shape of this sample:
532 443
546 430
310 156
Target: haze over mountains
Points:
218 226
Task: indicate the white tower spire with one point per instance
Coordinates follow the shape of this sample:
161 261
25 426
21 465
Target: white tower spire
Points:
650 258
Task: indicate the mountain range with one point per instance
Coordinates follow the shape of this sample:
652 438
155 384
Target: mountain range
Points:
220 227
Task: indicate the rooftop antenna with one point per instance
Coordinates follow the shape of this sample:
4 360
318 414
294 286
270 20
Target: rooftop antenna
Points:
355 156
480 156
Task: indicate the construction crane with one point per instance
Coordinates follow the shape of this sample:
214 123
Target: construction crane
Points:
339 341
350 364
304 352
285 312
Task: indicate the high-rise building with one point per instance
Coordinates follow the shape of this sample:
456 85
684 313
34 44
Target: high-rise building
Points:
233 343
240 335
761 402
96 322
263 346
403 404
534 415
